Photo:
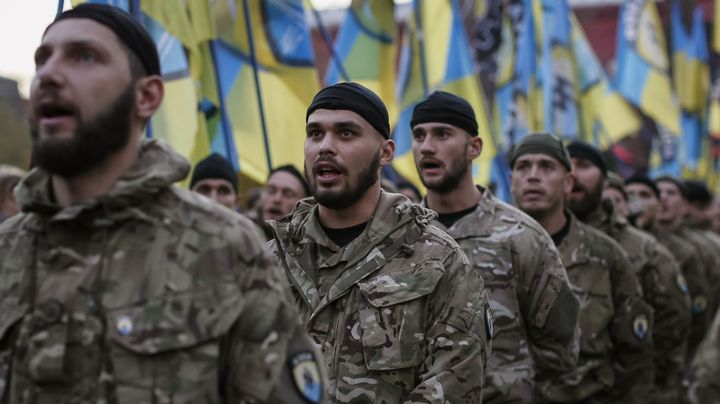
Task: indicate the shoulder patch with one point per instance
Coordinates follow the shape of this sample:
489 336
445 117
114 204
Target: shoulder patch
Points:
699 305
306 376
641 326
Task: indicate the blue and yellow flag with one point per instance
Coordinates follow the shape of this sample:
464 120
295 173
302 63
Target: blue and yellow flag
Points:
643 66
558 73
605 117
367 48
691 80
436 56
263 133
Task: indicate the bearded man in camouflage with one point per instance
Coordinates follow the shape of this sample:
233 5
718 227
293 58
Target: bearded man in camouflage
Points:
615 362
115 286
536 312
391 299
661 279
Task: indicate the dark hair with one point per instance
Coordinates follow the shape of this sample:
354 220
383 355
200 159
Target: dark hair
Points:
290 169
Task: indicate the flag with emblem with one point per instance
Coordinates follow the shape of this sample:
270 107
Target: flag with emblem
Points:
558 73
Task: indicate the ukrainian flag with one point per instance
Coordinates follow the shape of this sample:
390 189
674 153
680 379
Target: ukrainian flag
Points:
367 48
436 56
263 128
643 67
605 117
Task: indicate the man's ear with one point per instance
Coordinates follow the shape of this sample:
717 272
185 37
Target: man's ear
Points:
149 92
475 146
568 183
387 152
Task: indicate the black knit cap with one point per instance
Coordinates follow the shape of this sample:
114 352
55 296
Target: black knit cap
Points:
582 150
214 167
697 192
125 27
290 169
678 183
542 143
645 180
356 98
447 108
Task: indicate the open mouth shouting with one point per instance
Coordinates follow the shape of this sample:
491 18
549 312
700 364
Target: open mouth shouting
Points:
54 115
430 167
327 172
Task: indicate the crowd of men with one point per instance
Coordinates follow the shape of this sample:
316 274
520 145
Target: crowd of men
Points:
118 286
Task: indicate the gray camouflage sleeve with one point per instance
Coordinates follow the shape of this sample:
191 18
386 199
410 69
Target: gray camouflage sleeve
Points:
268 356
458 335
632 350
549 304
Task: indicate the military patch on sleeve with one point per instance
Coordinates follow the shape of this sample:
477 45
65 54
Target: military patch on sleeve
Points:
682 283
699 305
641 326
306 376
489 322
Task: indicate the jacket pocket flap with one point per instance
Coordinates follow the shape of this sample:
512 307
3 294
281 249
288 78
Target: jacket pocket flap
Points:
387 289
173 322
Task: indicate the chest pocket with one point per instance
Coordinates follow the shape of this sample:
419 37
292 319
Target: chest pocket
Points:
392 311
167 350
591 283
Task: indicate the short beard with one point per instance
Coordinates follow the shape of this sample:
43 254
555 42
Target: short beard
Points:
92 142
583 207
456 172
347 197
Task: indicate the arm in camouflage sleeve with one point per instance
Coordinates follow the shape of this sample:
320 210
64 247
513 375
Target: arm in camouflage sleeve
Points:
458 337
269 358
630 331
694 271
666 290
703 382
549 304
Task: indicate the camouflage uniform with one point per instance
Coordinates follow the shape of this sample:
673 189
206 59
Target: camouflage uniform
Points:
536 332
399 313
711 241
693 269
703 383
148 294
615 363
664 287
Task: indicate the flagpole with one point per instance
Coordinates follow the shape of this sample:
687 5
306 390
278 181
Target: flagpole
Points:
253 61
325 34
421 45
231 152
61 5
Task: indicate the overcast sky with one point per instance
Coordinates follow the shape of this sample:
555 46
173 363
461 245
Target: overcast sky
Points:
22 23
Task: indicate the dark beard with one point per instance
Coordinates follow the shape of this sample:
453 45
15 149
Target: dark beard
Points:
92 142
347 197
584 207
456 171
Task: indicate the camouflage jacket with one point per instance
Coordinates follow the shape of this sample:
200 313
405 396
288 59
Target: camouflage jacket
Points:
536 313
615 363
693 269
703 382
148 294
712 241
664 288
398 312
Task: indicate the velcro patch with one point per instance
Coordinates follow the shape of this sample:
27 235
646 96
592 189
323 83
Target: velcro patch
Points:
306 376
